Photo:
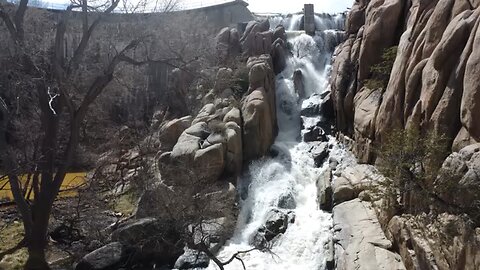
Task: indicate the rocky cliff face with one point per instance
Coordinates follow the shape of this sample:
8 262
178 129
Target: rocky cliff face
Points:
433 86
198 158
434 82
233 127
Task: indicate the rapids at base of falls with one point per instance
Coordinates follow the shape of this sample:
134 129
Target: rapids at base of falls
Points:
285 185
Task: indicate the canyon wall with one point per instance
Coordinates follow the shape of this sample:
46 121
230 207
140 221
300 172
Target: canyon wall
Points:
434 84
433 87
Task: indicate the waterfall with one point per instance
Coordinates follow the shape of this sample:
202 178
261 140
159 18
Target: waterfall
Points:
323 21
329 22
290 174
295 22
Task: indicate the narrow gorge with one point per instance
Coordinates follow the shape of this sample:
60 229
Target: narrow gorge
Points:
222 139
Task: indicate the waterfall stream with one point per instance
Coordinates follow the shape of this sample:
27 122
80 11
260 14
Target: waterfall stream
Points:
290 176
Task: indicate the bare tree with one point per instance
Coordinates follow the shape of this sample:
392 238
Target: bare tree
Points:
56 83
146 6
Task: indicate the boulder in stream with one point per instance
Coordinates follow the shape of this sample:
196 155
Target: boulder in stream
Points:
324 190
319 152
276 223
314 134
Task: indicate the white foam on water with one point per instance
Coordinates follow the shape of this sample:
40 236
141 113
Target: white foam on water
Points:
291 172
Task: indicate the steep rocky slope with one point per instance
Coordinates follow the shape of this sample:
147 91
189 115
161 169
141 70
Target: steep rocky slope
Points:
198 158
434 84
433 87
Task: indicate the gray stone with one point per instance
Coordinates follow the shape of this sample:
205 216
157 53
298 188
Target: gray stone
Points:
153 240
259 124
276 223
342 190
205 114
199 129
108 257
280 33
131 233
287 201
233 115
458 181
362 177
325 192
214 138
314 134
319 153
234 156
333 163
171 131
313 109
209 163
279 55
360 241
186 146
192 259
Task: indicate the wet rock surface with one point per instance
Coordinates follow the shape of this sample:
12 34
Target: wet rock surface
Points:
319 151
192 259
313 134
276 223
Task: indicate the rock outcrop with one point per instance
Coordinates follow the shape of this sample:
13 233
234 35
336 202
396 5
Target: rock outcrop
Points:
227 44
444 242
259 108
200 157
433 84
366 225
458 182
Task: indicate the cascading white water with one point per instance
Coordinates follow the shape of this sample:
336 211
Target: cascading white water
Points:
291 22
290 174
327 21
294 23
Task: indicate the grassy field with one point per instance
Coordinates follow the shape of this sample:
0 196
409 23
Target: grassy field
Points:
69 187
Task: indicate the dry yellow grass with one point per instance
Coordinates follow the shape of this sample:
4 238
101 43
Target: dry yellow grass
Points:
10 235
69 187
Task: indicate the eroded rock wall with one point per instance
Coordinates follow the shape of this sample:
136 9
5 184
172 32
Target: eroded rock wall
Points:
433 87
434 82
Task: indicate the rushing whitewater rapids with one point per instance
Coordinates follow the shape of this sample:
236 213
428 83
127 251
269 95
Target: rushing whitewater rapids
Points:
290 174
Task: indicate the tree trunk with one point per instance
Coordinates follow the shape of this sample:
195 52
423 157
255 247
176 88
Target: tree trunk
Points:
37 239
36 259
